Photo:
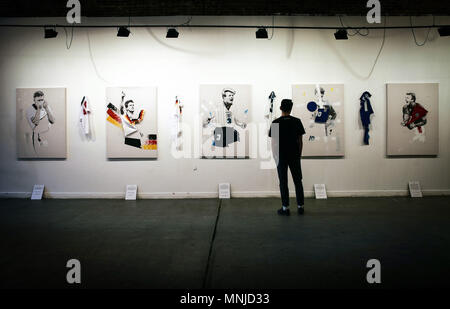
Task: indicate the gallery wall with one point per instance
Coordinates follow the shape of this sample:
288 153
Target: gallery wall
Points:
97 59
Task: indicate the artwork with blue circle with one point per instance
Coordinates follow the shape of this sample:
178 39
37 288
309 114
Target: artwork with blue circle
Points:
321 109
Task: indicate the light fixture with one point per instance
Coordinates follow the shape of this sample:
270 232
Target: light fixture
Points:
50 33
341 34
123 32
172 33
444 31
261 33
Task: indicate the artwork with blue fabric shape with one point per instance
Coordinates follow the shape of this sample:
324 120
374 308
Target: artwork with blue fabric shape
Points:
365 111
321 109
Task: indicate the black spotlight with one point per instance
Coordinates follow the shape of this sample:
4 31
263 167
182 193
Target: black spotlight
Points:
341 34
50 33
444 31
123 32
261 33
172 33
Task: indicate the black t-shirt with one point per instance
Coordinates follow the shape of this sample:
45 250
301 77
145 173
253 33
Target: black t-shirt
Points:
286 131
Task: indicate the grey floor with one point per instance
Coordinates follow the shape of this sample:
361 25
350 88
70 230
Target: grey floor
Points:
237 243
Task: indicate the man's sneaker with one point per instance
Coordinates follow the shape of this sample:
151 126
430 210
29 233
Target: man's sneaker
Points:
301 210
282 212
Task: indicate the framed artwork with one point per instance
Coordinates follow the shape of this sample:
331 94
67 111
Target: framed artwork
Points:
131 126
41 123
224 111
321 110
412 119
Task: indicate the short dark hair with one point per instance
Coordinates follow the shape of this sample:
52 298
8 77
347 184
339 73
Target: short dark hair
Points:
128 102
413 95
38 94
286 105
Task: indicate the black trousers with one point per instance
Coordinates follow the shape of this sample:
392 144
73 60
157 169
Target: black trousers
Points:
296 171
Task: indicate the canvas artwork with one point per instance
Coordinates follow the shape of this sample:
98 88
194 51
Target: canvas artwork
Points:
412 119
224 111
321 109
131 127
41 123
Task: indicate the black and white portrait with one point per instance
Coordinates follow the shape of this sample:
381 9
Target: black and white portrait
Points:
41 123
225 116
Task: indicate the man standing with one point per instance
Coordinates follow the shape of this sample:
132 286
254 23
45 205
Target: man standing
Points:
40 118
287 133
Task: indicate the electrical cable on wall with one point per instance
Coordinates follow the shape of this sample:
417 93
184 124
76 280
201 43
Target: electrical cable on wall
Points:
357 30
92 58
273 27
414 35
381 48
71 38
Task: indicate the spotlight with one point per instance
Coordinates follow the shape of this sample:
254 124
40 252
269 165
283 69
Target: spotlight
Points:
123 32
444 31
172 33
341 34
50 33
261 33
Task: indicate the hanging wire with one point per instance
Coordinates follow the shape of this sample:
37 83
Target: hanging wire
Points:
357 31
71 38
414 34
92 58
187 22
273 27
381 48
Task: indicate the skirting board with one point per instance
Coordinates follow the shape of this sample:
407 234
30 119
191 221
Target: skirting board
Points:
236 194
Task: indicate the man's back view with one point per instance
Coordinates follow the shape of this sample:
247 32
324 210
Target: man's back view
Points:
287 133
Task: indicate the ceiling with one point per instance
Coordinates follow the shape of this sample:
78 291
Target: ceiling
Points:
107 8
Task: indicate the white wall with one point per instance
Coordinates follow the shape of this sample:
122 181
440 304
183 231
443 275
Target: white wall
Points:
179 66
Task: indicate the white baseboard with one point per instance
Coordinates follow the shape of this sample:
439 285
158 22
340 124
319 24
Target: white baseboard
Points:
236 194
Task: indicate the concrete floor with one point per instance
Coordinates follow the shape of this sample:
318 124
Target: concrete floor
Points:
177 243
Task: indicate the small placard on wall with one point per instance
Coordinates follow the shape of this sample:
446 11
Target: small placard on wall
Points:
224 190
320 191
414 189
38 191
131 193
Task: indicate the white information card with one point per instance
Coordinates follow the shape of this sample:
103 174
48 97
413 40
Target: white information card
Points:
414 189
38 190
224 190
131 193
320 191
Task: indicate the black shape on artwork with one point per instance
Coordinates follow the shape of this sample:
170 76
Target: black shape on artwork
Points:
111 106
272 97
224 136
322 115
365 111
135 142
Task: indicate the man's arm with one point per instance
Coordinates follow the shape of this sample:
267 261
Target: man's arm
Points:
422 122
300 144
207 120
50 116
37 116
275 149
242 124
406 115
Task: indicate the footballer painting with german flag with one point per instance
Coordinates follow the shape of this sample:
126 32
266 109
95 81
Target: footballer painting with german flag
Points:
131 123
412 119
